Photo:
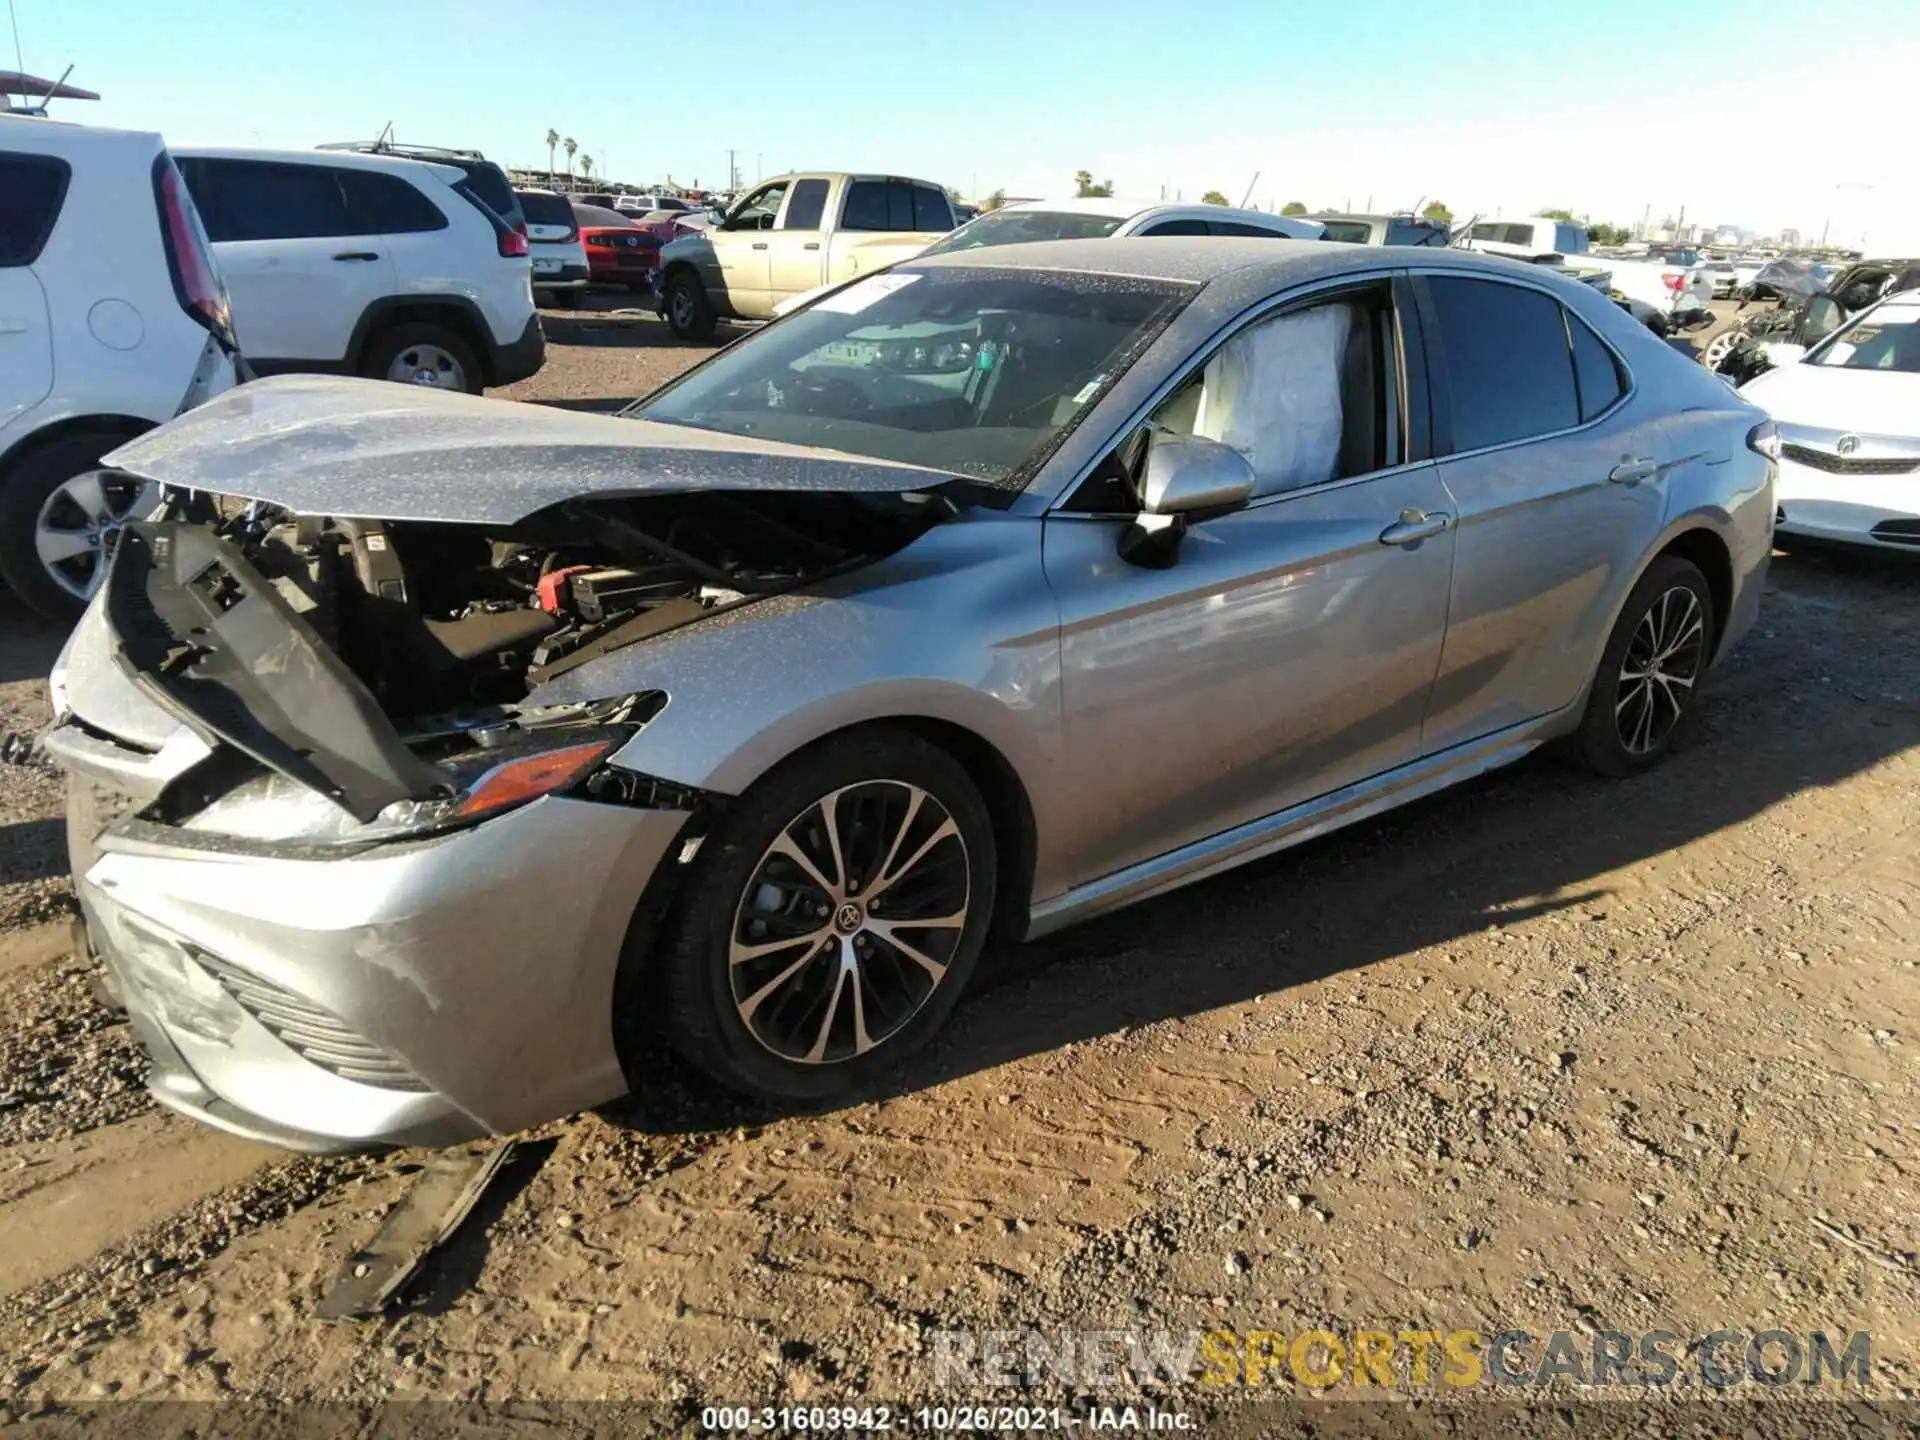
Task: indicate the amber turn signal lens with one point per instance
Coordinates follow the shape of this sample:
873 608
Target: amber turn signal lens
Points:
528 778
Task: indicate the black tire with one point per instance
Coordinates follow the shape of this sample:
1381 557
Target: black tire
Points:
690 314
1606 739
388 346
24 489
727 891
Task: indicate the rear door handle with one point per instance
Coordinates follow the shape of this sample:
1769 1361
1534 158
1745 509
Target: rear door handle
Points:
1631 471
1413 526
12 327
759 244
357 255
811 245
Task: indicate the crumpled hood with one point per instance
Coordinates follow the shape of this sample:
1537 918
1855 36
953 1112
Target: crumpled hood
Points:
373 449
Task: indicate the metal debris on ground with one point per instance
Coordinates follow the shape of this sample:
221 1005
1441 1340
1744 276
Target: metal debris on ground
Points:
449 1186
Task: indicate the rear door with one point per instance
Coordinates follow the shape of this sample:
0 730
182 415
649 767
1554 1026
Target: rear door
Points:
1557 471
883 221
32 191
300 262
410 223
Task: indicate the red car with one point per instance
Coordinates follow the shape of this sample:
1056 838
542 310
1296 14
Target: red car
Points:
619 252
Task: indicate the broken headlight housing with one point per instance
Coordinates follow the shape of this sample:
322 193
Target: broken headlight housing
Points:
498 770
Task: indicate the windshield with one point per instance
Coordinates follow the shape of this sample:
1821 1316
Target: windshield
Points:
972 371
1015 227
1884 339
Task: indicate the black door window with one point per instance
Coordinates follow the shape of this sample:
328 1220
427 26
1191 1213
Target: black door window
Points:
1595 370
932 211
1178 227
808 204
32 188
387 205
1241 227
266 200
1503 350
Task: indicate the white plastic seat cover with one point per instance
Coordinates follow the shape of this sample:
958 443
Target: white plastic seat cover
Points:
1273 394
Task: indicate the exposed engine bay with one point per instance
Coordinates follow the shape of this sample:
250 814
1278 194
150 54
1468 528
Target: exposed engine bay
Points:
435 617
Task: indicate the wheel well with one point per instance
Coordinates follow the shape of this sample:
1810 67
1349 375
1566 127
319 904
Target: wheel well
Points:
451 317
126 425
1708 553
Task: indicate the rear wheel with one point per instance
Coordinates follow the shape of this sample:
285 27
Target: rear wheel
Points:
690 314
1643 696
60 519
1720 346
831 919
423 354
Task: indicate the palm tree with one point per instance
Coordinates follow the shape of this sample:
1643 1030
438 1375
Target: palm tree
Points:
568 146
553 143
586 167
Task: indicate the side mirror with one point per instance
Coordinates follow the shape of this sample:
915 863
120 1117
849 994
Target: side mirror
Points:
1780 353
1185 475
1823 317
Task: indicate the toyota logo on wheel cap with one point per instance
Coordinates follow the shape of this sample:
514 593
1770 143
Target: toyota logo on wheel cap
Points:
1848 444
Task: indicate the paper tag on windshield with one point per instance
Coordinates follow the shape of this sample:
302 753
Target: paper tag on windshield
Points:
855 298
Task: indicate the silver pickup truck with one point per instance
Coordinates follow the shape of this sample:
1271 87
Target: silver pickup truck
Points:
793 234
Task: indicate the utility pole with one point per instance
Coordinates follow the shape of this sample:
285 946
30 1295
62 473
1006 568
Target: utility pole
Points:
759 169
733 173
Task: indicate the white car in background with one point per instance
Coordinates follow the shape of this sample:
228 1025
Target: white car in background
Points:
1848 414
1099 218
560 270
344 263
113 319
1654 290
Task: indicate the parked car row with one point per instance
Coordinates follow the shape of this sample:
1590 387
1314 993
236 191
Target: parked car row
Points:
134 279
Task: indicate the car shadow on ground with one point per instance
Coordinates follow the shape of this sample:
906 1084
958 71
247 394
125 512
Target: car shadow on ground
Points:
29 643
620 327
1535 838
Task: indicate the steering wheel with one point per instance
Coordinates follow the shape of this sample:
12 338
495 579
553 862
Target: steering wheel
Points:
830 395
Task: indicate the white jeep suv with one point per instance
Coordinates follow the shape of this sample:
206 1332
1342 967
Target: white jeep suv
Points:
351 264
113 319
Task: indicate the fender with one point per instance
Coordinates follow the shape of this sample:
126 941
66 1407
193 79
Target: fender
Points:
379 314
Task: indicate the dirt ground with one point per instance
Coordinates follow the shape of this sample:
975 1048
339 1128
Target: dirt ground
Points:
1542 1054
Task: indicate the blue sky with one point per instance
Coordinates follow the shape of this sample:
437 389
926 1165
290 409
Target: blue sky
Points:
1740 111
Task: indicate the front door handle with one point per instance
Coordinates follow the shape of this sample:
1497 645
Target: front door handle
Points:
759 244
1413 526
357 255
1631 470
811 245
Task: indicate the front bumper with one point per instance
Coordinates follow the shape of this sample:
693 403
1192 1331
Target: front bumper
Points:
520 358
414 994
1881 511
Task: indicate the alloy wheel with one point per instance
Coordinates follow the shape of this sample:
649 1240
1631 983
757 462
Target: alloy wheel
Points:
428 365
682 303
1658 672
1720 347
849 922
79 525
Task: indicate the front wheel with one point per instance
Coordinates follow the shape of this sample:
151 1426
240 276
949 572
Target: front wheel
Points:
832 918
1643 696
1720 347
60 519
690 314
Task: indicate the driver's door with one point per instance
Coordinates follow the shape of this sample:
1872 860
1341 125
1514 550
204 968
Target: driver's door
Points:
744 250
1288 651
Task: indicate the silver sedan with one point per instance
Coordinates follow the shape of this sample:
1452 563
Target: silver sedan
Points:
431 757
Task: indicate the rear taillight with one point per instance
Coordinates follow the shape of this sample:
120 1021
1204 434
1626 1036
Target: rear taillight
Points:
513 245
1674 280
1764 439
196 277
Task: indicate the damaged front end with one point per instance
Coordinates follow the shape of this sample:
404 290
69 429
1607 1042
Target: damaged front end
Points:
359 876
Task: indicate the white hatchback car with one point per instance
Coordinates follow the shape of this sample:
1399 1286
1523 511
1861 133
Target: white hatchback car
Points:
1848 412
560 270
351 264
113 319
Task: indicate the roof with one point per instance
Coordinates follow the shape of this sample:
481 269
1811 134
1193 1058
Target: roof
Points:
1404 217
1196 259
345 159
